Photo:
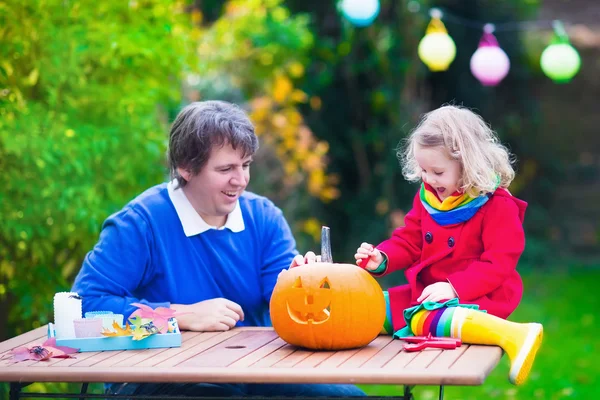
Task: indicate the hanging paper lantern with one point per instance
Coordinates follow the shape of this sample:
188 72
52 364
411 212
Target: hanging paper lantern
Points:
360 12
437 49
489 63
560 61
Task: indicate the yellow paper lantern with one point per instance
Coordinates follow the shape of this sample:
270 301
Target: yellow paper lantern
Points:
437 49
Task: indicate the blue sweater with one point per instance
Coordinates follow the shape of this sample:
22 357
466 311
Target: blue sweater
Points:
144 256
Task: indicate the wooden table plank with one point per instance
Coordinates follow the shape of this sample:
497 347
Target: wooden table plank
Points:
424 358
132 357
337 359
96 358
230 350
66 362
448 358
366 353
275 356
400 360
384 355
294 358
259 354
159 357
196 349
315 359
480 360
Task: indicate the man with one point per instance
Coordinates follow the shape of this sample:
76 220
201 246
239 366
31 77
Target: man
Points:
199 244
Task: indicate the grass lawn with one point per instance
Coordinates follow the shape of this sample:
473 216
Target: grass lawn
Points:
567 365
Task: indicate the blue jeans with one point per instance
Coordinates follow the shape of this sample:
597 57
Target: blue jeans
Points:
238 389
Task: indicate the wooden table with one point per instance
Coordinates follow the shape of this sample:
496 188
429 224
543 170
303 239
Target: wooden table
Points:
246 355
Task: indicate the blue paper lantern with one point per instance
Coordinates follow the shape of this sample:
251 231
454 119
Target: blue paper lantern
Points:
360 12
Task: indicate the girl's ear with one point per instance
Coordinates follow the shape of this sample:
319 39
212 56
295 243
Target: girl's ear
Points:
185 174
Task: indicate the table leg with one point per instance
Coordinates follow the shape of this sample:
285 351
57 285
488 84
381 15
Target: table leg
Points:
84 388
15 390
409 396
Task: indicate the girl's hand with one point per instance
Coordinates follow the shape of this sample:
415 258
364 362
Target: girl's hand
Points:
437 292
367 251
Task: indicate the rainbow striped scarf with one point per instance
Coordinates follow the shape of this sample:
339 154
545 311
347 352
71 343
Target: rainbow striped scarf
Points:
457 208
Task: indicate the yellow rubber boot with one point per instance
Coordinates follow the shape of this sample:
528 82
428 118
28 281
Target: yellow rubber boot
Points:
520 341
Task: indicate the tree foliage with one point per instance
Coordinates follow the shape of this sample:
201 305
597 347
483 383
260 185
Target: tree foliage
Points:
84 93
255 53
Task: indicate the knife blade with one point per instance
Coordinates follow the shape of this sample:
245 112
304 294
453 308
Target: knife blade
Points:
326 245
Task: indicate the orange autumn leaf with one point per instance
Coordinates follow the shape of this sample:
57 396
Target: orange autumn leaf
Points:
119 330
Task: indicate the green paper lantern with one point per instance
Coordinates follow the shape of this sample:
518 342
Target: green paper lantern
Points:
560 62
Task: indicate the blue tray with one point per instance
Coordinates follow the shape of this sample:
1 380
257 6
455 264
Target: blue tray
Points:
106 343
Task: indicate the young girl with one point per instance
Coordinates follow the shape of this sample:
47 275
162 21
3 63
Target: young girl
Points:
461 241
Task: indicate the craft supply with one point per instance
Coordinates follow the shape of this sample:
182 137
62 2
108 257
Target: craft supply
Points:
418 343
67 308
87 327
108 319
92 314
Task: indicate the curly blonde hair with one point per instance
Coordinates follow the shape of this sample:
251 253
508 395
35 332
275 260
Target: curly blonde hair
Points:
486 163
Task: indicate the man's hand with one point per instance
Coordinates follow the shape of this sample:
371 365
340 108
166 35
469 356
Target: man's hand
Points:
367 251
309 258
437 292
209 315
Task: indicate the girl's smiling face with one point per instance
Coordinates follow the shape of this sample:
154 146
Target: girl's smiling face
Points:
439 170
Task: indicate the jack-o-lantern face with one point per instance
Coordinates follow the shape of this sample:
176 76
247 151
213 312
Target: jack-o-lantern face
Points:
327 306
308 305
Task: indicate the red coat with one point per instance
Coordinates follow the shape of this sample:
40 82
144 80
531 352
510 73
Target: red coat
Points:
478 257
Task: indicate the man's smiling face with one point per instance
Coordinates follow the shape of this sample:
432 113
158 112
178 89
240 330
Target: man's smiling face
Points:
215 190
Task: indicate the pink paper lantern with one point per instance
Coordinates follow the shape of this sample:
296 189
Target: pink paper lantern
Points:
489 63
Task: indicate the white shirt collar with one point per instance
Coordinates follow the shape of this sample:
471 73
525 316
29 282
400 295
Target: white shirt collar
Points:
192 222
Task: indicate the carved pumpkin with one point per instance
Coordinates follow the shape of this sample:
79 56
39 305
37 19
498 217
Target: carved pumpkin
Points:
326 306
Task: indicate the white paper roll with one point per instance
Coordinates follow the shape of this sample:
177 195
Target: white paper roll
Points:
67 308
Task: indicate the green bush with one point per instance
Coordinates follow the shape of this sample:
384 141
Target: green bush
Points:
81 132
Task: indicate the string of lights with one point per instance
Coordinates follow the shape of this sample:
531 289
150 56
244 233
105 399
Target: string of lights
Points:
560 61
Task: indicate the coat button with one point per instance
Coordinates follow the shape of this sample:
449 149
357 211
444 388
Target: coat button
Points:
450 241
428 237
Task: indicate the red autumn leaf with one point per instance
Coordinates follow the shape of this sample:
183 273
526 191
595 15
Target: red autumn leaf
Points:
43 352
36 353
